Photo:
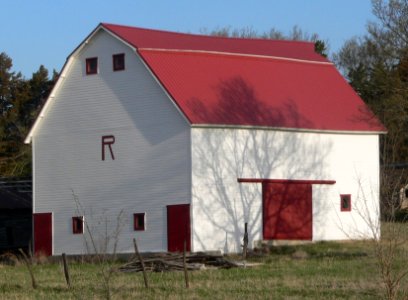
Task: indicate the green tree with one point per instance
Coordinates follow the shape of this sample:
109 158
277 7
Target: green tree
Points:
6 76
20 102
321 48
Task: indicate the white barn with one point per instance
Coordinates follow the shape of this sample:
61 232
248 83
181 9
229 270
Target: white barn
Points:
168 137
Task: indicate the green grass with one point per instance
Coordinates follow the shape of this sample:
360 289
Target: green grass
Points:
330 270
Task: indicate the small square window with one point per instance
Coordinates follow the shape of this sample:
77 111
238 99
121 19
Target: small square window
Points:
91 65
78 225
139 221
118 62
345 204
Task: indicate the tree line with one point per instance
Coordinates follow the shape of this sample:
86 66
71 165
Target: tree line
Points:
375 64
20 102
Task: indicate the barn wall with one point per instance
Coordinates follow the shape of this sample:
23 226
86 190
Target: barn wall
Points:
151 167
221 205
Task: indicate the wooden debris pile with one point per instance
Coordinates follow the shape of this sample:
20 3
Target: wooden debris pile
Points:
162 262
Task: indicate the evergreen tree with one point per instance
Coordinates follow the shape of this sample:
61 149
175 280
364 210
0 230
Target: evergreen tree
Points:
20 102
5 80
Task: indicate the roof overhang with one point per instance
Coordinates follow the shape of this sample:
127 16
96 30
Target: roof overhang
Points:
288 129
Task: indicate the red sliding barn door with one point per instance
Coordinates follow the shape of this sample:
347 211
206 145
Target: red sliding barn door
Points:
42 233
287 211
178 227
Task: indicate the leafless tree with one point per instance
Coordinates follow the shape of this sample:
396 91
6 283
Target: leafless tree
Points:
101 242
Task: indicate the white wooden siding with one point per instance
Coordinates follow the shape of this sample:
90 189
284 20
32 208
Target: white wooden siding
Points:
152 166
221 205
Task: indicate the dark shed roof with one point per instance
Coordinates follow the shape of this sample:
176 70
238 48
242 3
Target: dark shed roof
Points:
15 193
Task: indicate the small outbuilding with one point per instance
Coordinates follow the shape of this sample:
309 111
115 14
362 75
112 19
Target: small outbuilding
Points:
175 138
15 214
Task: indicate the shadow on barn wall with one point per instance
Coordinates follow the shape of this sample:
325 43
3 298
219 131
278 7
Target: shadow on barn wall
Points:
222 155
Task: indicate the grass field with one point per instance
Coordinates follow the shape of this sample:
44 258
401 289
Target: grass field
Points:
329 270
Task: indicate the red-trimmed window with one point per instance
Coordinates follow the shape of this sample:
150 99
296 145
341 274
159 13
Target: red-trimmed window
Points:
91 65
139 221
118 62
345 202
78 225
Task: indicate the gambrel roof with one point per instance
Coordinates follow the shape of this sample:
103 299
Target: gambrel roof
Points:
237 82
222 89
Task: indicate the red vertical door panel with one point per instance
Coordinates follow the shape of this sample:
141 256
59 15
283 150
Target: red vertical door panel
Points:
287 211
43 233
178 227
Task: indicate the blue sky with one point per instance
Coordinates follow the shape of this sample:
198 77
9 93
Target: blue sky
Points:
46 31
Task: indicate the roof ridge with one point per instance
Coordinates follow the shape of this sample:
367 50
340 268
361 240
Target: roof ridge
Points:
232 54
212 36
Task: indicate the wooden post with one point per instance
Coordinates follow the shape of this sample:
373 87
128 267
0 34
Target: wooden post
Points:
141 263
30 249
185 265
66 271
28 264
245 240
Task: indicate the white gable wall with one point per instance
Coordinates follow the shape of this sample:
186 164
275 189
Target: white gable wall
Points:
151 168
221 205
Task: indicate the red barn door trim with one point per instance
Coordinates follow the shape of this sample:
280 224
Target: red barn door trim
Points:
42 233
178 227
301 181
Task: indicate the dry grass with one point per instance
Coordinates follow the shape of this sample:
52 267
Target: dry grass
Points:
328 271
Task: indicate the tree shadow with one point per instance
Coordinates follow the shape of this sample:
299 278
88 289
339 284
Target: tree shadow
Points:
222 154
238 104
287 211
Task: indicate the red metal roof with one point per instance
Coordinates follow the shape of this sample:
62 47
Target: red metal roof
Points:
254 91
148 38
223 81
